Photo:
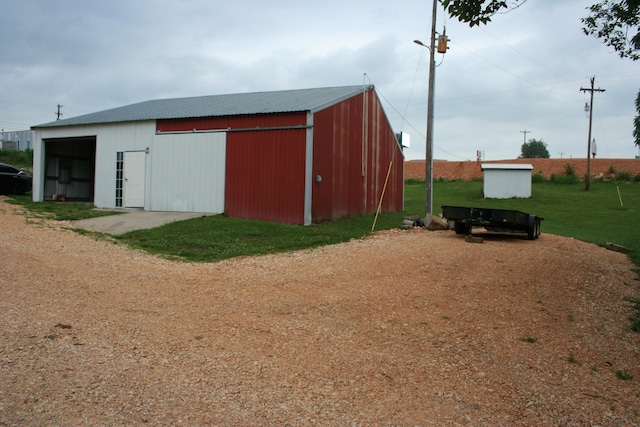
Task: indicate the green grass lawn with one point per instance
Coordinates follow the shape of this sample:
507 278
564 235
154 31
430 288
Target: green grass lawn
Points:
594 216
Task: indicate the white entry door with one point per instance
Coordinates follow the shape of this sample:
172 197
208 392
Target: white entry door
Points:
134 164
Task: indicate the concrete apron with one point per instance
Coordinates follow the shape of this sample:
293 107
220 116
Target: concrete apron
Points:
131 220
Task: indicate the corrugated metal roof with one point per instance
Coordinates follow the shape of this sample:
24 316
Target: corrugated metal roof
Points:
285 101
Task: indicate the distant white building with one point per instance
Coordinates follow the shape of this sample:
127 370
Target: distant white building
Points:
504 181
16 140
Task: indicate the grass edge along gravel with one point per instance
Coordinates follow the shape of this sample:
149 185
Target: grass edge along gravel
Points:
595 216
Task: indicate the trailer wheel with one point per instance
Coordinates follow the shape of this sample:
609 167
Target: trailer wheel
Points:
534 230
462 228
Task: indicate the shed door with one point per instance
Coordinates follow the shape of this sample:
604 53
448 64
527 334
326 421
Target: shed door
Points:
134 163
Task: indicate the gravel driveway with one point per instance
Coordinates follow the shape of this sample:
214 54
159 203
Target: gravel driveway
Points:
401 328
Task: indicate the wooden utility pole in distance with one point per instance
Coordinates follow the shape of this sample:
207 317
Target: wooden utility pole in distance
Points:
525 134
587 179
442 48
429 139
59 112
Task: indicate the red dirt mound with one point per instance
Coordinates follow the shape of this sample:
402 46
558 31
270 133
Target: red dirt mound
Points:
469 170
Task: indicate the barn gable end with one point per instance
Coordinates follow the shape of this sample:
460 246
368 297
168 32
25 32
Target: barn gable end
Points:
354 150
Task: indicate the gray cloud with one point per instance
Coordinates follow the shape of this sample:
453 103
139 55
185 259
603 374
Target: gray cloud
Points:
522 71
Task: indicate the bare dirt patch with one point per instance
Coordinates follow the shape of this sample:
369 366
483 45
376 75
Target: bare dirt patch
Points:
401 328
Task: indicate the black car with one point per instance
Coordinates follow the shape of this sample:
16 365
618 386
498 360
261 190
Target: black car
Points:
13 180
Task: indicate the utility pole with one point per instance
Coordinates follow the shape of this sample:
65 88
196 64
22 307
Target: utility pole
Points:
561 154
428 179
442 48
525 134
587 179
59 113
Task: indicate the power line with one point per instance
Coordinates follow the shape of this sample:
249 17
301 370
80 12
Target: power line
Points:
404 120
494 64
13 124
524 56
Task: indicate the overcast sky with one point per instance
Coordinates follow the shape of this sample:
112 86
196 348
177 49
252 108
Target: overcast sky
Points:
521 72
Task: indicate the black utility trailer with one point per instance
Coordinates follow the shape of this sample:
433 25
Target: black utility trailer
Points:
503 220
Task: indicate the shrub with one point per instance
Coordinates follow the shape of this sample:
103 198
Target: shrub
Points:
612 170
564 179
569 169
538 177
636 178
624 176
19 159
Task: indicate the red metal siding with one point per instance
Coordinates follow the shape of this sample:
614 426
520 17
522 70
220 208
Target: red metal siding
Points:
337 139
233 122
265 175
265 169
340 155
384 156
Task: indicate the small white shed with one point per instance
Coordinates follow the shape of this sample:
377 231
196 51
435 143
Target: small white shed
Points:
504 181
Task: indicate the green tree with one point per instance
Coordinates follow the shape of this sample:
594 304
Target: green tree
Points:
636 122
617 22
475 12
534 149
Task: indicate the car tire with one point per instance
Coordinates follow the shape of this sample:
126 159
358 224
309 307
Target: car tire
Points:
20 188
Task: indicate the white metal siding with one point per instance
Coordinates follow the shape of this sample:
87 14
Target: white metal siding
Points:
505 183
184 173
110 138
187 172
